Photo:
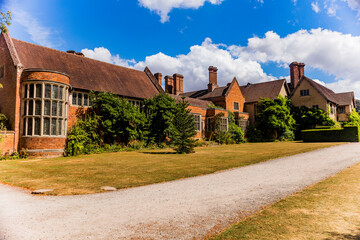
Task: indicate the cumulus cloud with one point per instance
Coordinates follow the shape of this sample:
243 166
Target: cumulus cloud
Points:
315 7
332 52
163 7
194 66
103 54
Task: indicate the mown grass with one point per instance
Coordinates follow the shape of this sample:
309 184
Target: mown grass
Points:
328 210
87 174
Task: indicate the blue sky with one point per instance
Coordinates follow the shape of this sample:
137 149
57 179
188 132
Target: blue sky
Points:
254 40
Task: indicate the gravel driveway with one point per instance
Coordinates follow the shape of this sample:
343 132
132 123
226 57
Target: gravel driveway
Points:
184 209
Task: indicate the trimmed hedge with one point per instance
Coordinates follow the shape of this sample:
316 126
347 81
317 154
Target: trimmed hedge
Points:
346 134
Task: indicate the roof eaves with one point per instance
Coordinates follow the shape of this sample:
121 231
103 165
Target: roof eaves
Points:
153 80
12 49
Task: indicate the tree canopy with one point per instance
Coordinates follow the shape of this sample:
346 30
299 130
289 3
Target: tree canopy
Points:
5 21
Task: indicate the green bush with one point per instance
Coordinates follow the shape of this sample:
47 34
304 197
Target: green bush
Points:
253 134
346 134
223 137
287 136
236 133
136 144
4 122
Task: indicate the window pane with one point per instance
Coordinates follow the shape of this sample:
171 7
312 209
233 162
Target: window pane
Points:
37 126
59 127
25 107
54 108
26 91
31 91
31 108
60 113
38 90
61 93
53 126
38 107
29 127
46 126
90 103
74 98
54 93
47 90
86 97
24 127
79 99
47 108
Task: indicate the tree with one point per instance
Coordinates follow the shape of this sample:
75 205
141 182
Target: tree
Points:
354 118
307 118
235 131
5 21
182 129
274 117
120 121
160 111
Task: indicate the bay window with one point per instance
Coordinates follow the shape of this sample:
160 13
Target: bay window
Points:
45 109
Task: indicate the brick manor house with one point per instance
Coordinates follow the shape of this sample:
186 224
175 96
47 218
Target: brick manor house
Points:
43 88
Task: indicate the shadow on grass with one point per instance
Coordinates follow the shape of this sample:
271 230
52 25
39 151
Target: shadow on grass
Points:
338 236
159 153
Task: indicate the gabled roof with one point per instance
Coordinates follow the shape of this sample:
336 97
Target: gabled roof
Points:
206 95
193 101
86 73
254 92
345 98
341 99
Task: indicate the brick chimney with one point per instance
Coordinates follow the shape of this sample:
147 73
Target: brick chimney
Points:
212 78
158 77
169 84
296 73
178 83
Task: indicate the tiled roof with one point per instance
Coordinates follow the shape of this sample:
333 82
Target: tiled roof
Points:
326 92
88 74
205 94
254 92
193 101
345 98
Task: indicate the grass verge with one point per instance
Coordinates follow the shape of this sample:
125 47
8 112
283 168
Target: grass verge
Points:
328 210
87 174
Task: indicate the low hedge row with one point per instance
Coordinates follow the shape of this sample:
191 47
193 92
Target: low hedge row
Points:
346 134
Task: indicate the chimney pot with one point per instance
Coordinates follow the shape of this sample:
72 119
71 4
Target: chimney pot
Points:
296 73
212 78
169 84
178 83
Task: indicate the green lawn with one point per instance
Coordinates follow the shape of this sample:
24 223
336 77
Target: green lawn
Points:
329 210
87 174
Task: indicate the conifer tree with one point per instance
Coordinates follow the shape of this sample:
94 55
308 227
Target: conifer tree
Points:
182 130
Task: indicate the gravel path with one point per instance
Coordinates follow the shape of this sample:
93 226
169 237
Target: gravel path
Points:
184 209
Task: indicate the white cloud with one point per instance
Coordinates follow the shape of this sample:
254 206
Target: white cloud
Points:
355 5
315 7
194 66
163 7
103 54
332 52
24 21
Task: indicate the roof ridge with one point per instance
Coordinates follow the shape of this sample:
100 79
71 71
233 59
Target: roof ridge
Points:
264 82
72 55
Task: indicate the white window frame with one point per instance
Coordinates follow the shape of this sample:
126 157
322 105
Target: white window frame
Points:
197 123
82 104
238 106
304 92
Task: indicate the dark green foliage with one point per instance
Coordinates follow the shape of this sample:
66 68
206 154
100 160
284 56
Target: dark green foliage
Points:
84 138
4 122
182 129
354 119
288 135
274 117
253 134
160 111
223 137
235 131
346 134
307 118
120 121
357 101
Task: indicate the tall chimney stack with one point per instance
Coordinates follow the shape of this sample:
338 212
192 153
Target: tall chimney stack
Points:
169 84
178 83
296 73
158 77
212 78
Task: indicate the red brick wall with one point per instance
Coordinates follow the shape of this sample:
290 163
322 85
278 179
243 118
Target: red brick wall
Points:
235 95
46 76
8 92
7 142
36 145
